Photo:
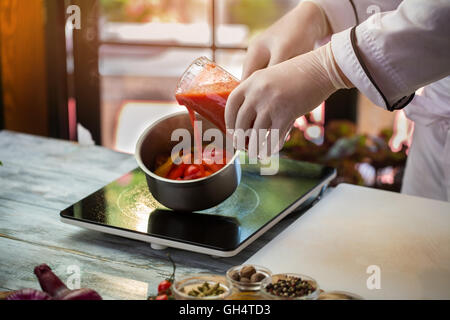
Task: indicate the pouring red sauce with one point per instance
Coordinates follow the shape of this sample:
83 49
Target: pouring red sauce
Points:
209 101
207 94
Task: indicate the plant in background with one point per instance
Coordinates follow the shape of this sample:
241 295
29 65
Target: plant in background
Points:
128 10
256 14
142 11
346 150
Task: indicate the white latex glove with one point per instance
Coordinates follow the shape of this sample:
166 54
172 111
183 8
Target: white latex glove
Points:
275 97
292 35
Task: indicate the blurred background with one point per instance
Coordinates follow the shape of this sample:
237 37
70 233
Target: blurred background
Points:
107 81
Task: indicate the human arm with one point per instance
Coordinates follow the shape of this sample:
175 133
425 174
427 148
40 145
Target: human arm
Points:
294 34
392 53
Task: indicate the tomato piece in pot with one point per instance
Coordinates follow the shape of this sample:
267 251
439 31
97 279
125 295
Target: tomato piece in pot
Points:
213 155
191 170
194 171
213 167
208 173
177 171
212 161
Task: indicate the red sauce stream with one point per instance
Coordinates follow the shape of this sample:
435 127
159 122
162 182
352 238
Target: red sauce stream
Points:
207 95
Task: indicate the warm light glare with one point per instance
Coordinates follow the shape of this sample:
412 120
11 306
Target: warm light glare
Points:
387 176
142 216
403 131
301 123
318 114
313 130
315 134
368 173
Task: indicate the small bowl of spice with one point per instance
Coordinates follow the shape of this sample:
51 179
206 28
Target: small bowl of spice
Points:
290 286
248 277
202 287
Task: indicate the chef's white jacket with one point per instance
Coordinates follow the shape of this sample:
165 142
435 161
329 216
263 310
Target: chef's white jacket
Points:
389 49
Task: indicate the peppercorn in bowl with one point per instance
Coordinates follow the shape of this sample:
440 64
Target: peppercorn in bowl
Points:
290 286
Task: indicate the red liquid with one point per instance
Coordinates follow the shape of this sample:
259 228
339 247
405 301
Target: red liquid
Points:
208 95
209 101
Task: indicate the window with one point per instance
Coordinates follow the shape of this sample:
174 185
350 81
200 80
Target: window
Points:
145 45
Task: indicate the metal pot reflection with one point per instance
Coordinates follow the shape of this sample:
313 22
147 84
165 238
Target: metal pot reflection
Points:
210 230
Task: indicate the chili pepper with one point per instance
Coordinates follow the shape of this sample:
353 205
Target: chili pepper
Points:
164 287
162 297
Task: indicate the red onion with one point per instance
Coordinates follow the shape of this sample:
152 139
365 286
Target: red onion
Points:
82 294
51 284
29 294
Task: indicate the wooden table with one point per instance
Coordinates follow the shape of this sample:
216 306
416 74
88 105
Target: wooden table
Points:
39 178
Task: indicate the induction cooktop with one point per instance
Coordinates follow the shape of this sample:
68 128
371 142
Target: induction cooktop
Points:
126 208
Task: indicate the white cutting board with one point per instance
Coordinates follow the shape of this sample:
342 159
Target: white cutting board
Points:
352 228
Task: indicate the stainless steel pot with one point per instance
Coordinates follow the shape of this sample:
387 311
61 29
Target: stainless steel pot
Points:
191 195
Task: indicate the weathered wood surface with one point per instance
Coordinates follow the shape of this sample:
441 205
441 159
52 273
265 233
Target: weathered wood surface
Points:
52 173
39 178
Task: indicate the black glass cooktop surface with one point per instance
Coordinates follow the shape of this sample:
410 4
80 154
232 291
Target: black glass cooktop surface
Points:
127 204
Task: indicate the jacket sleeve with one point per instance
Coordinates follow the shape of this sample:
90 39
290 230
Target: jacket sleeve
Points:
344 14
393 53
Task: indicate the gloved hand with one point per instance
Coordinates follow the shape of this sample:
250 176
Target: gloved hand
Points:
292 35
275 97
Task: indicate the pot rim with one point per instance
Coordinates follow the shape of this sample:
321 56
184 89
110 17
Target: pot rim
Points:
137 155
